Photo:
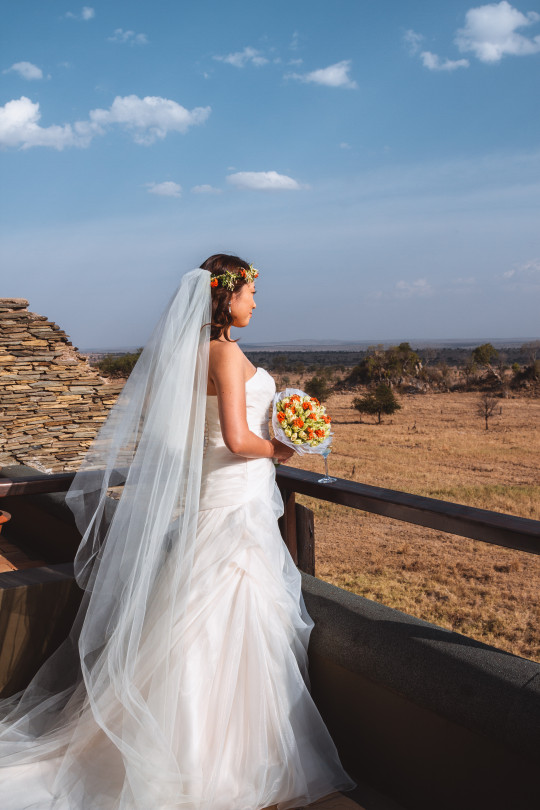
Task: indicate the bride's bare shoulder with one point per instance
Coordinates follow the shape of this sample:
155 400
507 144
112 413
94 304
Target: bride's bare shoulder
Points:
224 352
226 365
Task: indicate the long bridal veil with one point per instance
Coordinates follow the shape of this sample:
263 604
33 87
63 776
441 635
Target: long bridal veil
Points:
97 722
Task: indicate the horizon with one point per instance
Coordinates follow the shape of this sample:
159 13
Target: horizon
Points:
360 345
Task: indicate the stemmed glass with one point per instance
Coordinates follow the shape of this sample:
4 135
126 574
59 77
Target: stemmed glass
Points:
327 478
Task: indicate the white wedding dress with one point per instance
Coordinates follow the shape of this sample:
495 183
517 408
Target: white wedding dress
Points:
248 734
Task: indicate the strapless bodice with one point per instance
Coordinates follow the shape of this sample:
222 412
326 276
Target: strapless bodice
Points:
228 478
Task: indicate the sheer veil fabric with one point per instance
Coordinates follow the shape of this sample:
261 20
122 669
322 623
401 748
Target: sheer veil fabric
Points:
111 681
183 684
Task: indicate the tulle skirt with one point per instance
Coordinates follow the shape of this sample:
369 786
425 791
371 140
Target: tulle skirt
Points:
248 734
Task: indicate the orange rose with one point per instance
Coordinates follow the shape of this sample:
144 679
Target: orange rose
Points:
214 282
306 405
320 432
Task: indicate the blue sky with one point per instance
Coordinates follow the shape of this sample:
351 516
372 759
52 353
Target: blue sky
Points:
377 161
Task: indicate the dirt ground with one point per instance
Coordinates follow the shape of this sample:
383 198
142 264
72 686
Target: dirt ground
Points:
437 446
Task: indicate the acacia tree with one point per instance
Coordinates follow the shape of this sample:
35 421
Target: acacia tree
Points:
382 400
485 407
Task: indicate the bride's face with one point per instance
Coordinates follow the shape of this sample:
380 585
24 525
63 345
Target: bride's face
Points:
242 304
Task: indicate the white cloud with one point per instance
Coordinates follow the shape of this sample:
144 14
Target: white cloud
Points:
417 289
206 189
263 181
147 118
525 276
128 36
344 145
490 32
165 189
85 14
332 76
19 127
433 62
26 70
242 58
412 40
150 117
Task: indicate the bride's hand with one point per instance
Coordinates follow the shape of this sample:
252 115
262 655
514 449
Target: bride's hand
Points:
282 452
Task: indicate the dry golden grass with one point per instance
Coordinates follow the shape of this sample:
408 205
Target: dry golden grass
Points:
437 446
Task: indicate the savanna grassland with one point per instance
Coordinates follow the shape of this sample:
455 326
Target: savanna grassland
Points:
437 446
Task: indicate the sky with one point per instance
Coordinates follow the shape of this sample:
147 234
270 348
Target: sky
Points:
377 160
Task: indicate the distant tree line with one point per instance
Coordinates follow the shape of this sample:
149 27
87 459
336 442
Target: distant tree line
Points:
118 365
299 361
400 366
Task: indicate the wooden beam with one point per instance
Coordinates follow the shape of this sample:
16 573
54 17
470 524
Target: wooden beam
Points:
305 539
287 524
467 521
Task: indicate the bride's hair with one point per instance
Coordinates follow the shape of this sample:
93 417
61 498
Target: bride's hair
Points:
221 297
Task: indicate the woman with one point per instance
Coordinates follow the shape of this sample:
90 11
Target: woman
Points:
184 681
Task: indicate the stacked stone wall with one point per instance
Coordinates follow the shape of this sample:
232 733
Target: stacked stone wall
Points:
52 402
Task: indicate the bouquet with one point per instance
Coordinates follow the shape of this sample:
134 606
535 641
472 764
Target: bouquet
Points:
301 422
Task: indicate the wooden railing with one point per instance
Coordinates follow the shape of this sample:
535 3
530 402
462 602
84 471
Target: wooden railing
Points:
297 527
497 528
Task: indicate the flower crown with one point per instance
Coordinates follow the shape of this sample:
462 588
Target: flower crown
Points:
228 279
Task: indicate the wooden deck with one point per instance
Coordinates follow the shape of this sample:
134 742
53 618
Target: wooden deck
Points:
12 558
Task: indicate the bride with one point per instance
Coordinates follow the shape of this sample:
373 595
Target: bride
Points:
183 684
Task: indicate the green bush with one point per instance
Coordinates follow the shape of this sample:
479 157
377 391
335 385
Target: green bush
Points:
385 364
382 400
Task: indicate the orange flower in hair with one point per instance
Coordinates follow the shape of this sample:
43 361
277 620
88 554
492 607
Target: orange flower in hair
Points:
229 278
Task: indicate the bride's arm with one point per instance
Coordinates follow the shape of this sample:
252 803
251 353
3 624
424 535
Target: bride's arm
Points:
227 372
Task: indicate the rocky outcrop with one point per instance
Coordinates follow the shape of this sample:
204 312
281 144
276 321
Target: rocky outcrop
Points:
52 402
